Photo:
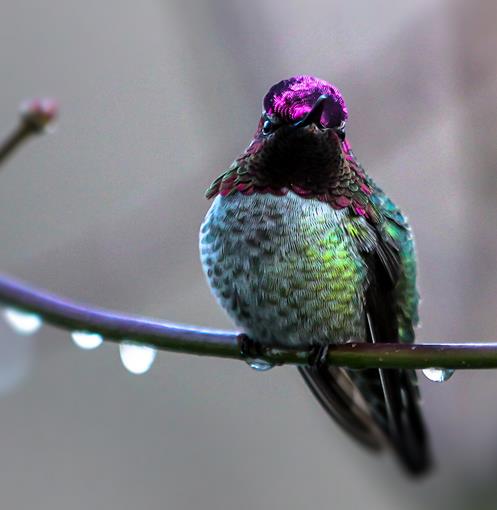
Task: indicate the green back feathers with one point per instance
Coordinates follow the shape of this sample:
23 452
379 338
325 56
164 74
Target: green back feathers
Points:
396 228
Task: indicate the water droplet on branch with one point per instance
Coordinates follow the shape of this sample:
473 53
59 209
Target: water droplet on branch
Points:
86 340
24 323
137 359
260 365
438 374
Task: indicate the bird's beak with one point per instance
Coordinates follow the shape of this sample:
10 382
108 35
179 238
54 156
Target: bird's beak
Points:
314 116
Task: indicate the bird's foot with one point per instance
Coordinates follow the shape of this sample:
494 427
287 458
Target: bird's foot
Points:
249 349
318 355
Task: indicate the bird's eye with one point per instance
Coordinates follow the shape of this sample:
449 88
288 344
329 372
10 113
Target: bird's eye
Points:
267 127
270 123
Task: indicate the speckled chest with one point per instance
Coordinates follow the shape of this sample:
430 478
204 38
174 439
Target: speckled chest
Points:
284 268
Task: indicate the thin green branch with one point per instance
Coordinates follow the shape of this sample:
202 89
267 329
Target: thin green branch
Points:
168 336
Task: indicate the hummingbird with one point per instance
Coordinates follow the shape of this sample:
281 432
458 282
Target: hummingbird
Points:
303 250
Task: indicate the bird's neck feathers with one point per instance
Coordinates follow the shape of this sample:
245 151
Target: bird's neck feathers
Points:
315 167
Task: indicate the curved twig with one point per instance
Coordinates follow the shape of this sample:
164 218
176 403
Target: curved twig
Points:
167 336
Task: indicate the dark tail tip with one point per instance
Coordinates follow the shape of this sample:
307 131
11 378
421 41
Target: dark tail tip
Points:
411 441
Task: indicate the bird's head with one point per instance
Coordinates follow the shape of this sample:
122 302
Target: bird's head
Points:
303 101
299 146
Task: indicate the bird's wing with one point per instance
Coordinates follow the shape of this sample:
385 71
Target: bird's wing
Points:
367 401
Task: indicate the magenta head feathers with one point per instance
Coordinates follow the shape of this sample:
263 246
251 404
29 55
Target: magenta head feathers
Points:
293 98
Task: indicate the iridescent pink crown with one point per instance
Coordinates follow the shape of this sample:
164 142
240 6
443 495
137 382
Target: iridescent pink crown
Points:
291 99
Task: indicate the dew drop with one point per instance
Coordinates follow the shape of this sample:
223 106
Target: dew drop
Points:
24 323
260 365
438 374
137 359
86 340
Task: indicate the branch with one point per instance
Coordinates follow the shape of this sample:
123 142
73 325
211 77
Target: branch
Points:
117 327
168 336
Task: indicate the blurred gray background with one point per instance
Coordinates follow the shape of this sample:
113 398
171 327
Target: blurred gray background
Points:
157 99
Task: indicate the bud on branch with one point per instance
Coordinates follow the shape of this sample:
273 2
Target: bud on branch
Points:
36 115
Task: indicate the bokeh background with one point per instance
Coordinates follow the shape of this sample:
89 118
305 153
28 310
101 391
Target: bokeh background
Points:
157 98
